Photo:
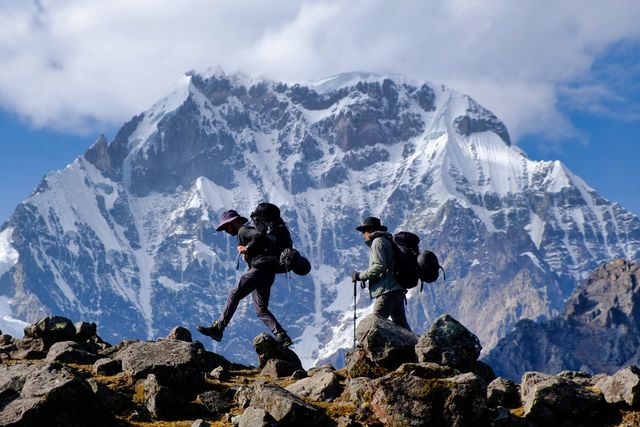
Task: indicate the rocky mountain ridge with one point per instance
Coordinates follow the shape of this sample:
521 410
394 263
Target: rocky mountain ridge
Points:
599 330
125 235
68 376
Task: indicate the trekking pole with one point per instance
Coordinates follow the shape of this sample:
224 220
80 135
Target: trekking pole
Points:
354 313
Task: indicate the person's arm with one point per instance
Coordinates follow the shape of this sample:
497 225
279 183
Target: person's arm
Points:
377 262
252 242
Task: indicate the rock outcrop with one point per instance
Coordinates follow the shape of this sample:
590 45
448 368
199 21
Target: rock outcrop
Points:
175 380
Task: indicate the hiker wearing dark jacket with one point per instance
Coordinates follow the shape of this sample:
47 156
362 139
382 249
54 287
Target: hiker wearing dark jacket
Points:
257 281
383 286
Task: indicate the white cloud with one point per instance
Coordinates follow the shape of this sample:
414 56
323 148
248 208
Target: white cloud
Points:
80 65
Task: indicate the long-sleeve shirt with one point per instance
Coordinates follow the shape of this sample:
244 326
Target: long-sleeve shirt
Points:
380 271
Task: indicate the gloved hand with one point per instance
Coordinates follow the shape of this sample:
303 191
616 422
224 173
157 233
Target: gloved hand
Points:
355 276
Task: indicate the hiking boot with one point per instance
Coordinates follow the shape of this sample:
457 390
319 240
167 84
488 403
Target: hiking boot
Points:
214 331
283 339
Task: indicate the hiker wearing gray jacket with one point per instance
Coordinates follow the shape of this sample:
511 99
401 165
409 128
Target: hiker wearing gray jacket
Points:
383 286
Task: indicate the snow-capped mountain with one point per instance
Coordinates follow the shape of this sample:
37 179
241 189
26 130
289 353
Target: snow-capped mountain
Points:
125 235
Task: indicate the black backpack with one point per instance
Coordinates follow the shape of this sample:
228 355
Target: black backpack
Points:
411 265
267 220
406 251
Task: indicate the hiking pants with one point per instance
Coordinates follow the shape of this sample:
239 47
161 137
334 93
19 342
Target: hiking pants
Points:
391 305
258 284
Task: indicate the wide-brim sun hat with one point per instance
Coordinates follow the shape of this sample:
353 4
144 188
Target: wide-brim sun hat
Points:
229 216
371 223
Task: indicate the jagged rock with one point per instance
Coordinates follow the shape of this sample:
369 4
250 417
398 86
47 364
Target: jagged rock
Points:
623 386
214 360
256 417
51 330
484 371
386 343
285 407
411 400
107 366
29 349
427 370
268 348
114 401
215 402
243 396
180 333
162 402
175 363
276 368
324 385
70 352
360 391
449 343
503 392
52 393
359 364
5 339
85 330
549 399
326 368
299 374
219 373
582 378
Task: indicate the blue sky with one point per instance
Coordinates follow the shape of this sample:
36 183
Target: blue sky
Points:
563 75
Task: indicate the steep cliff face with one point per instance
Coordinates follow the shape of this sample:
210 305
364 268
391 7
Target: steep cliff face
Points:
125 235
599 330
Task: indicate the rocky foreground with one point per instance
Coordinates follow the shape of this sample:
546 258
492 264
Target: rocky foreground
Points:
62 374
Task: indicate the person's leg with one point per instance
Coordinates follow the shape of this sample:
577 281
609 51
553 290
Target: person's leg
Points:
398 314
261 296
392 305
246 285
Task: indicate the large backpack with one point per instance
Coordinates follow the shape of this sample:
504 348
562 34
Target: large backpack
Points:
266 219
411 265
406 251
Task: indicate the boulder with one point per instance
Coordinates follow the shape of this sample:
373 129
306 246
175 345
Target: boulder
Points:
176 364
85 331
623 386
256 417
107 366
200 423
268 348
298 375
449 343
52 393
29 349
162 402
359 364
386 343
411 400
5 339
51 330
219 373
503 392
582 378
276 368
427 370
180 333
70 352
215 402
323 386
285 407
550 399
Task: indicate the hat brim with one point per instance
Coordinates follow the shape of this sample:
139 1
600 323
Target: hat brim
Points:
223 223
363 228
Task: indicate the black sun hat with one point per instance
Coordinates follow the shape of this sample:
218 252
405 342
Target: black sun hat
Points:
227 217
371 223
